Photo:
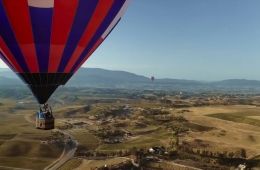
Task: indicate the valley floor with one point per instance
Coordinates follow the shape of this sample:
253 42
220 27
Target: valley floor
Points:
148 131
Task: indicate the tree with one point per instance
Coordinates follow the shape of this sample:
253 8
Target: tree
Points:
243 153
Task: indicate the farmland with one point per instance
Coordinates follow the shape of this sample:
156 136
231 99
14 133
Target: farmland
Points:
114 130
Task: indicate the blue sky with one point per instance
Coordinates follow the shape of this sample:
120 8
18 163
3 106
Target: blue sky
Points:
189 39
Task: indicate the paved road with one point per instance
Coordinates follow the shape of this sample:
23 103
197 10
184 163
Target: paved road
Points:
68 152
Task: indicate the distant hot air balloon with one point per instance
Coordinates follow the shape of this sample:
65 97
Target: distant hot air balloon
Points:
152 78
46 41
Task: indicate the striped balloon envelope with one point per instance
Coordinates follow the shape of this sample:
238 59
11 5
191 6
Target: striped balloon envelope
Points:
46 41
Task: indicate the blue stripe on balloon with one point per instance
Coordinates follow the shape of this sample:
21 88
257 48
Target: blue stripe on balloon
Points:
103 27
82 18
8 36
41 19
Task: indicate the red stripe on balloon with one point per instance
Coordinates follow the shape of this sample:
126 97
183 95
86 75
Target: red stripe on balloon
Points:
19 18
64 14
9 56
98 43
99 15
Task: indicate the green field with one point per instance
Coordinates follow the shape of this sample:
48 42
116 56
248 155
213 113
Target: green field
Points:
155 138
238 117
71 164
86 139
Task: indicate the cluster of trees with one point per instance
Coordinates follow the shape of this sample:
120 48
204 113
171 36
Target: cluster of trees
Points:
102 154
120 124
241 153
155 111
108 133
237 154
230 158
163 118
119 111
177 128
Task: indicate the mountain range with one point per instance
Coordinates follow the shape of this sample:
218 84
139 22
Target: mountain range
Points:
101 78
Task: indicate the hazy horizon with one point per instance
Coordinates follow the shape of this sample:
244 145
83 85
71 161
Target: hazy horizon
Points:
196 40
3 69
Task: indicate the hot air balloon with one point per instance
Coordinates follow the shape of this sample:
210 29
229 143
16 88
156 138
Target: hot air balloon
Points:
46 41
152 78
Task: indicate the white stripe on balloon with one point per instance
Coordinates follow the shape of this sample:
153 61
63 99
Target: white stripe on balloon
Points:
41 3
119 15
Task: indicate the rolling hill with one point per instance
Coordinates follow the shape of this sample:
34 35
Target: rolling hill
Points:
101 78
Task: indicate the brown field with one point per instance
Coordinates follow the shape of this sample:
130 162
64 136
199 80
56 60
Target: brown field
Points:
90 164
228 134
220 128
255 117
20 142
